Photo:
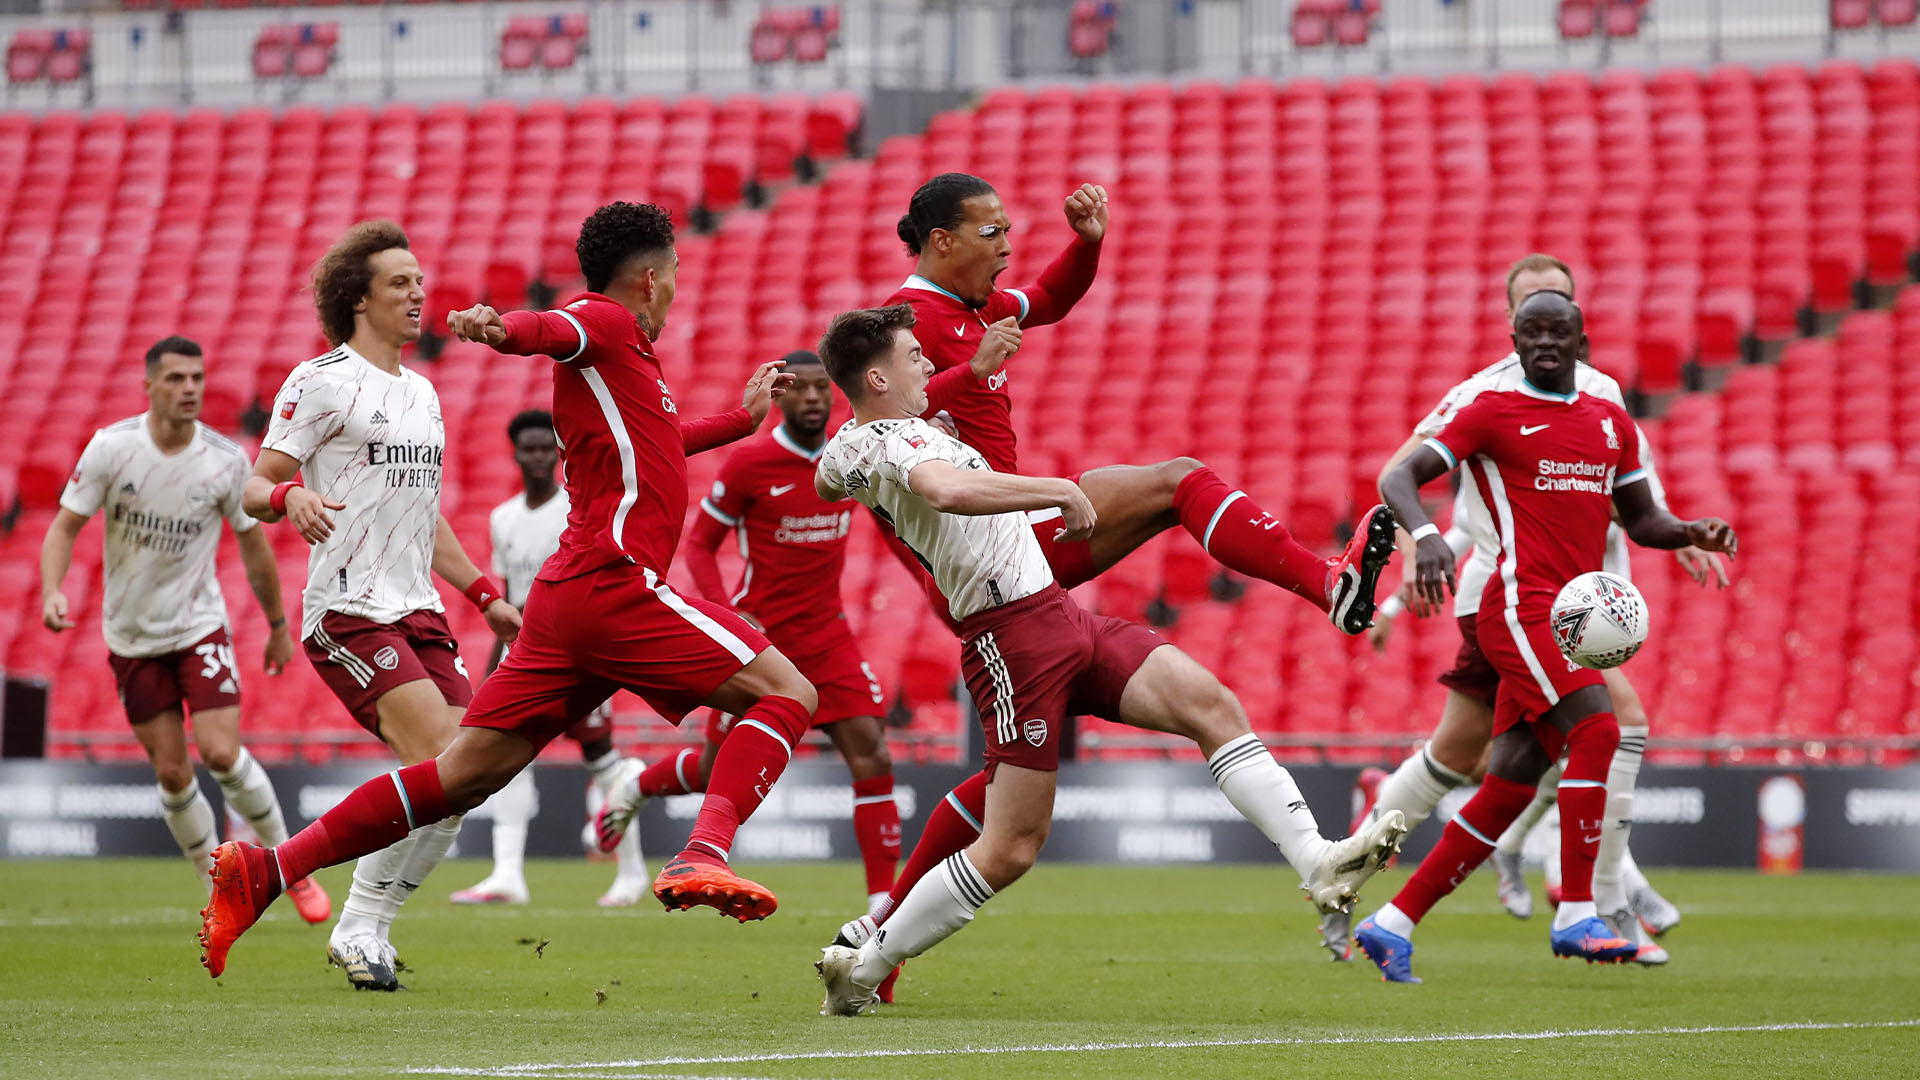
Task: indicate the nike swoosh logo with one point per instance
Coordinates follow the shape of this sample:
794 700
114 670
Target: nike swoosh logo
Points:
960 331
781 489
1594 839
1525 430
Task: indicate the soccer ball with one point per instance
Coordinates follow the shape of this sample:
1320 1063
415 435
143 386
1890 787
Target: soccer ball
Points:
1599 620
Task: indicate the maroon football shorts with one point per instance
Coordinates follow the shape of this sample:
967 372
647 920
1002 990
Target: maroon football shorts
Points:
360 660
1534 675
1034 662
619 627
200 676
1471 673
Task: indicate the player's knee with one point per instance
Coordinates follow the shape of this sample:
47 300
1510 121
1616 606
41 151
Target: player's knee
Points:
796 687
1007 857
219 758
1630 713
175 776
1212 713
1174 470
867 762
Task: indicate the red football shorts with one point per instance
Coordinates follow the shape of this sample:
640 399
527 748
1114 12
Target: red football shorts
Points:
1534 675
840 675
360 659
1034 662
200 676
620 627
1471 673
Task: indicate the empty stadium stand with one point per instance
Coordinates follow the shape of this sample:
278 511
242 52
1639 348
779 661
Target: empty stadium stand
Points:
1296 272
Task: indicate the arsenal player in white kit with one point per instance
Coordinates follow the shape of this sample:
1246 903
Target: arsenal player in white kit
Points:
1553 465
365 432
166 481
1031 656
601 616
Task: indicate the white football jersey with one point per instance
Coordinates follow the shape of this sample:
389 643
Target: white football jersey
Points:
163 515
523 537
1470 511
978 562
375 442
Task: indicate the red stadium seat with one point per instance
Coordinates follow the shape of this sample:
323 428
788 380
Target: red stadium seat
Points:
1578 18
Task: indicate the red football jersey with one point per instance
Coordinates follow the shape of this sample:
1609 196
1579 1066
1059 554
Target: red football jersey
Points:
1547 466
620 435
949 331
794 542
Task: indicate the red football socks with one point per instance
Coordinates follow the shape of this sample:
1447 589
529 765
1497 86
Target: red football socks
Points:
676 775
1583 801
751 759
1241 536
375 815
952 825
876 825
1468 840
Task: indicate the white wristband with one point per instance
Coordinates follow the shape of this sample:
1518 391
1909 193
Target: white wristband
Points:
1392 607
1424 531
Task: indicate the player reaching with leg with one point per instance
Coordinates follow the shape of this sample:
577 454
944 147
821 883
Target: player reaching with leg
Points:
365 433
1553 464
600 616
1456 752
166 481
795 545
526 532
1031 656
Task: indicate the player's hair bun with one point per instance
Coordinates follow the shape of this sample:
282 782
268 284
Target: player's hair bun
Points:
909 235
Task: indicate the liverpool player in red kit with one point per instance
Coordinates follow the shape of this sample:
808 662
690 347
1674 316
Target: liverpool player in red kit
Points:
795 545
957 230
600 615
1553 465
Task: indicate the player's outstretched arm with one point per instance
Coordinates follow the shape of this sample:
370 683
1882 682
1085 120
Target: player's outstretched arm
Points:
56 557
977 493
263 577
1651 525
703 544
764 386
1433 561
451 563
1068 277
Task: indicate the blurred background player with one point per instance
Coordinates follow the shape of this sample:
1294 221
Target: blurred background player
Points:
166 481
1456 753
1030 655
526 532
1554 465
600 615
957 230
365 431
794 544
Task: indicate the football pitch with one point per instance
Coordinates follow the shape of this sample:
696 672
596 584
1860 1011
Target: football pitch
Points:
1076 972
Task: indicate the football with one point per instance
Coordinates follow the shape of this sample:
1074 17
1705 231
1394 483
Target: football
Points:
1599 620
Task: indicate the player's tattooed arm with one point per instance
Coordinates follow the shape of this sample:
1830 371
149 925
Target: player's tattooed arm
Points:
1651 525
1433 560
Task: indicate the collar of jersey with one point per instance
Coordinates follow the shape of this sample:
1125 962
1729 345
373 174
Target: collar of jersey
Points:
780 436
1533 391
915 281
146 421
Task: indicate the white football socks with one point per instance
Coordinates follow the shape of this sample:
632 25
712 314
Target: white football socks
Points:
372 876
1630 876
938 906
1572 911
1609 890
1394 921
514 806
601 769
1266 795
1416 787
421 851
1514 840
250 792
189 818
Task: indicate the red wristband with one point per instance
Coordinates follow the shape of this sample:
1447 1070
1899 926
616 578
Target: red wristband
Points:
483 592
277 502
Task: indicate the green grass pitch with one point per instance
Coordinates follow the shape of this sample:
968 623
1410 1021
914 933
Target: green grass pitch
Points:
1075 972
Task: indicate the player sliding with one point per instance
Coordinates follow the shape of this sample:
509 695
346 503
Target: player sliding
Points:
795 545
1553 464
600 616
166 481
526 532
1457 751
365 433
1031 656
957 230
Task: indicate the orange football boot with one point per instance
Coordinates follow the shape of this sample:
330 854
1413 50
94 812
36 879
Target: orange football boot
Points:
684 884
230 909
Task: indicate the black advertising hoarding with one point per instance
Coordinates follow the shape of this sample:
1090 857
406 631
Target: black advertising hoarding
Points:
1144 812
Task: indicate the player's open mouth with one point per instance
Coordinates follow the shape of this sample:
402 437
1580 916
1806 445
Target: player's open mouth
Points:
413 314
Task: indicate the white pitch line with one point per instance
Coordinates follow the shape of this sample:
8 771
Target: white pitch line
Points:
564 1069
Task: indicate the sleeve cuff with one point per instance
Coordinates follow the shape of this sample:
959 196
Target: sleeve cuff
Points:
1440 448
713 512
1634 477
568 315
84 512
1025 304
